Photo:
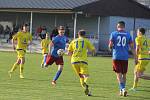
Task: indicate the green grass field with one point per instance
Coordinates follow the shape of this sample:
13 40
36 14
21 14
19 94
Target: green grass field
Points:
36 85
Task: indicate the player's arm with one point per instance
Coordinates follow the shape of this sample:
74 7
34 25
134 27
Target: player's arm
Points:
70 49
136 53
137 49
148 46
30 40
41 44
51 44
13 44
91 48
14 41
110 45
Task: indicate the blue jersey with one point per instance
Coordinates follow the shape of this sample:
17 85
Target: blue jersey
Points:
59 43
121 41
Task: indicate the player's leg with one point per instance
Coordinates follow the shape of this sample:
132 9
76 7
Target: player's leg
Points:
77 71
22 58
57 75
22 67
42 63
124 78
142 69
138 73
120 82
17 62
135 83
84 74
124 85
14 67
124 68
43 60
59 61
76 68
118 67
143 76
48 60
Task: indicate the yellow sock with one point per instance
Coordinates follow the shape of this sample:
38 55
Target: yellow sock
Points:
82 82
14 67
42 61
85 79
21 69
135 84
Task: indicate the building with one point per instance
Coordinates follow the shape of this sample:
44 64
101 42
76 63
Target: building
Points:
98 17
144 2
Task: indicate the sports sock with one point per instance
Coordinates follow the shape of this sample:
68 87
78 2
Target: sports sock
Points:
14 67
44 59
57 75
21 69
122 86
135 84
82 82
85 79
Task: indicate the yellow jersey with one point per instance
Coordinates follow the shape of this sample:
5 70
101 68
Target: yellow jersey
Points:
80 47
22 40
143 44
45 44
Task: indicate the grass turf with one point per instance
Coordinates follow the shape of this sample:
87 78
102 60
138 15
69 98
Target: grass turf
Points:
36 85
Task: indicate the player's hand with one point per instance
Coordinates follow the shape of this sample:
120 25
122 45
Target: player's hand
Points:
49 53
149 52
14 47
110 49
136 61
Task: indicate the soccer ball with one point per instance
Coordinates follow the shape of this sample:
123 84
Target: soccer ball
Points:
60 52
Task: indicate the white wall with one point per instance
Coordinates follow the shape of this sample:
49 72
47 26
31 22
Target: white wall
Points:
104 33
108 25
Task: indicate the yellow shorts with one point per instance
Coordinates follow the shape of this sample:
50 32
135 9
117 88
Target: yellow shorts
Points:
140 67
80 68
21 53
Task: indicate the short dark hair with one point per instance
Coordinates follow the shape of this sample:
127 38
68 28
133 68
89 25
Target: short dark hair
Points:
61 28
24 25
142 30
122 23
82 32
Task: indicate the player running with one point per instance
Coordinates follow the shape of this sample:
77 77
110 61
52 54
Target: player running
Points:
120 41
23 39
142 57
58 42
45 48
78 52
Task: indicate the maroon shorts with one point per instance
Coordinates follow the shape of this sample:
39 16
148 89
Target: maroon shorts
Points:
120 66
58 60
